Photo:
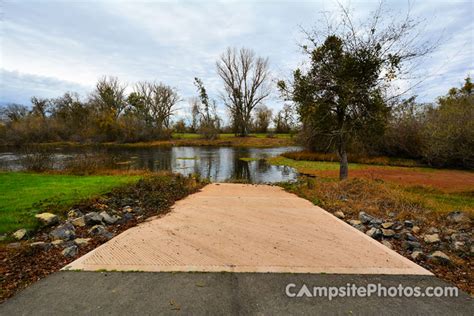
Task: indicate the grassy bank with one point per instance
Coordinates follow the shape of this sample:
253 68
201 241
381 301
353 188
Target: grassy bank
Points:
435 189
353 158
188 139
24 194
132 203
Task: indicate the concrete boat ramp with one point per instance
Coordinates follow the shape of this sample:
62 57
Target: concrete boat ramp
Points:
246 228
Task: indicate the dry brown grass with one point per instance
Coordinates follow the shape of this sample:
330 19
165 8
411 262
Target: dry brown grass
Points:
230 141
355 195
249 141
391 202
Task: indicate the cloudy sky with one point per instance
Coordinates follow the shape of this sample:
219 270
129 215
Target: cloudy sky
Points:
50 47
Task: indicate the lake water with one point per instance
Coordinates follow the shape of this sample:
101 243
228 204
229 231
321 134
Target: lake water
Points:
216 163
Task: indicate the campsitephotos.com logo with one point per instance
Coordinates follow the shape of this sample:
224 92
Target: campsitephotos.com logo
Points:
368 290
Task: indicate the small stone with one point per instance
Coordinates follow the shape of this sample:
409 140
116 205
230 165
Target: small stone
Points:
460 237
100 230
79 221
81 241
433 230
439 257
97 230
411 245
458 217
93 218
101 206
374 233
459 246
339 214
64 232
410 237
354 222
417 255
20 234
365 218
47 218
57 242
137 210
431 239
343 198
41 244
74 213
127 217
108 219
408 224
388 232
387 225
376 221
127 209
397 226
387 244
449 231
415 229
360 227
70 251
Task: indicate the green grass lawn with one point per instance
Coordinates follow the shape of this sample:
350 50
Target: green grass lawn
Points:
22 194
302 165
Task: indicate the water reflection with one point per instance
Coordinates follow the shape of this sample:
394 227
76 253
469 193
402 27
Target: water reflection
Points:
216 163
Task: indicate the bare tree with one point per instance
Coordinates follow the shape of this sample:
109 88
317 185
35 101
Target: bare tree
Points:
246 85
40 107
154 102
13 112
164 99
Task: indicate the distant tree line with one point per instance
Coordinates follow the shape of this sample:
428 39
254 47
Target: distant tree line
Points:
148 112
109 114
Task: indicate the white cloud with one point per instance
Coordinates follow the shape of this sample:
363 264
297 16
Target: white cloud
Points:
173 42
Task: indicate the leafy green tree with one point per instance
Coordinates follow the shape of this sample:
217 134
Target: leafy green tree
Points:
340 96
206 112
109 102
284 120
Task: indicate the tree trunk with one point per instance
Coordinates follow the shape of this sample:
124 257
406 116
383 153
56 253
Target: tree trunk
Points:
343 165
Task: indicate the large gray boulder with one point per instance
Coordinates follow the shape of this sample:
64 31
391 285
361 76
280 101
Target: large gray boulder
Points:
65 231
93 218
